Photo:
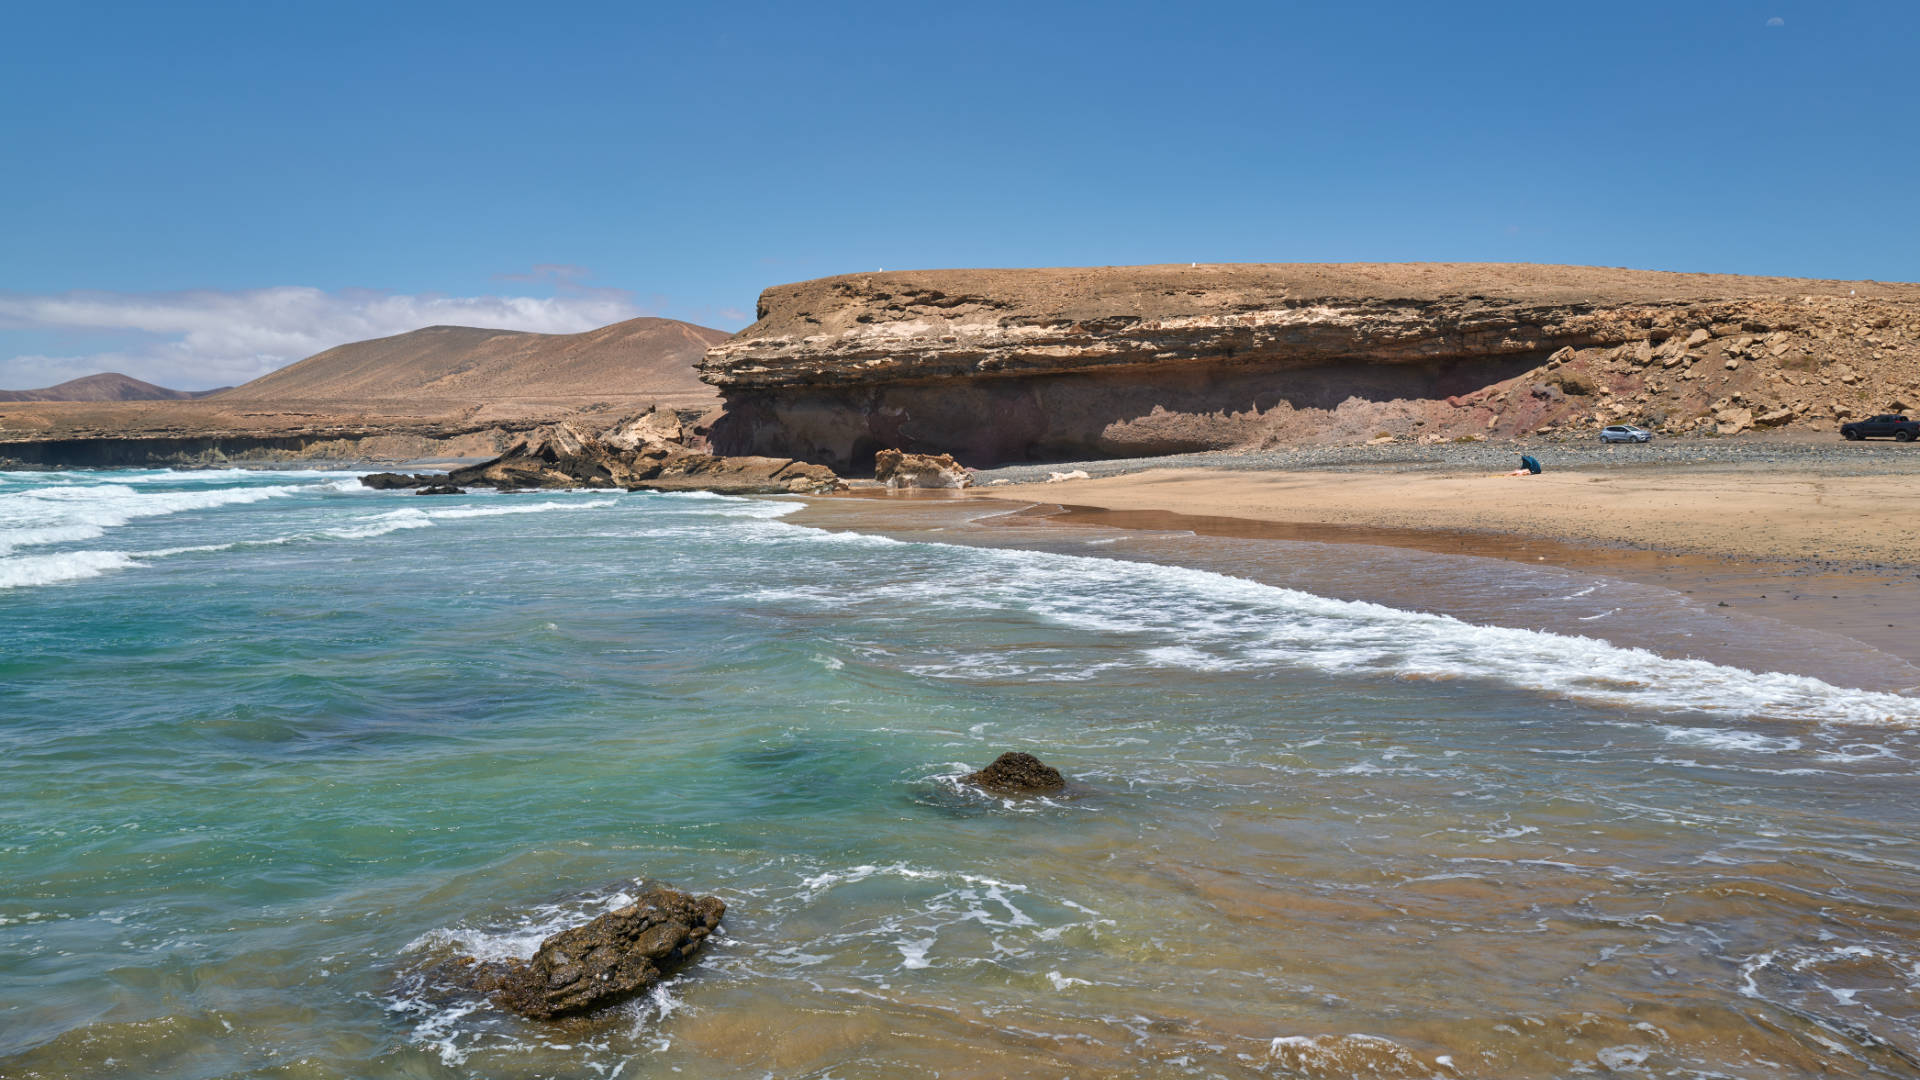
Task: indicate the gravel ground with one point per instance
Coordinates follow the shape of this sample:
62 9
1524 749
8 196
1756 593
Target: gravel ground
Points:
1835 456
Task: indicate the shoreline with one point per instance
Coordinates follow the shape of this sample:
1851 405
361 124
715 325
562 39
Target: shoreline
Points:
1854 603
1832 617
1828 541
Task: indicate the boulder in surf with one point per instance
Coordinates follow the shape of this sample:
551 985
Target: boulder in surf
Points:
1015 773
615 957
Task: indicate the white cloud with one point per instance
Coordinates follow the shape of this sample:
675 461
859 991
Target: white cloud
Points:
197 340
1776 21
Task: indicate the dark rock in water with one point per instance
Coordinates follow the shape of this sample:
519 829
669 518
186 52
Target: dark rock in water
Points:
393 481
614 957
441 489
1017 773
637 455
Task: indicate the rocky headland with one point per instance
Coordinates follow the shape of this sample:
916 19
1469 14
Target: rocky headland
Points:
1019 365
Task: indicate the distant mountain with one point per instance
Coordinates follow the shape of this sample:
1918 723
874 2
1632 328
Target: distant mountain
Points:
646 357
107 386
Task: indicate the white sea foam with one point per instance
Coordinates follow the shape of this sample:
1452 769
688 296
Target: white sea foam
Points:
518 939
1344 1055
913 954
382 524
1731 739
74 513
414 517
39 536
1202 620
456 513
1625 1058
69 513
25 570
211 476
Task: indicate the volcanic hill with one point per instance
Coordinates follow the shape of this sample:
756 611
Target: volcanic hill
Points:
449 391
645 357
106 386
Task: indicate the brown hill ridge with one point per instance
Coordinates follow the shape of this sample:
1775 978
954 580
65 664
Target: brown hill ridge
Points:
441 391
641 358
106 386
997 365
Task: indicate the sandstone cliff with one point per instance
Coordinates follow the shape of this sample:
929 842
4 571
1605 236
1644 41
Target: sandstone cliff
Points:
998 365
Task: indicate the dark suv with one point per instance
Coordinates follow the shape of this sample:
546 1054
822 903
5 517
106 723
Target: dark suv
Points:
1899 427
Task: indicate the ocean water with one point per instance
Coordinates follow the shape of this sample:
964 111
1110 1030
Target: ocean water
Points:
271 745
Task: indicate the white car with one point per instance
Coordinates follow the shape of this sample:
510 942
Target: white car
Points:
1625 433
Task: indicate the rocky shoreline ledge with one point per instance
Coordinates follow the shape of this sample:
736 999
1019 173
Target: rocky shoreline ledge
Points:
651 452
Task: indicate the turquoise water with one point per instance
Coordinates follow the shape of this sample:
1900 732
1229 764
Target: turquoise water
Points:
271 744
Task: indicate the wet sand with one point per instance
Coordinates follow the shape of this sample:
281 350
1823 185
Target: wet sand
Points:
1756 615
1832 553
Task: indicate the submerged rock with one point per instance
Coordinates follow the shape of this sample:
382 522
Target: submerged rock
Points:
440 489
897 469
1017 773
621 954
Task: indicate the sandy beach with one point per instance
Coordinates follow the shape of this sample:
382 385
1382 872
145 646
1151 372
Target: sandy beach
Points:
1853 514
1820 539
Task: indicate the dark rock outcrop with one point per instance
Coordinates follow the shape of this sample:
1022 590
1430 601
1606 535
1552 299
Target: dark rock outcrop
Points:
604 962
1015 773
440 489
1002 365
393 481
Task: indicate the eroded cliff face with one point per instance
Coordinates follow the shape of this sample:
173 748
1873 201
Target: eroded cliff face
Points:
1000 365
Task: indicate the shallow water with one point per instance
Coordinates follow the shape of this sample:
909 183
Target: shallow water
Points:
270 744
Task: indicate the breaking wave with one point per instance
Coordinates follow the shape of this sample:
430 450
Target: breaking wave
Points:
1201 620
77 513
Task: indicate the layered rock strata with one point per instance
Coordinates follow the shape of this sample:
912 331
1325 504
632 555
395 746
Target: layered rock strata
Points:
1001 365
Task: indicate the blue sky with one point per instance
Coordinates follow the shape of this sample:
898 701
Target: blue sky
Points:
197 193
